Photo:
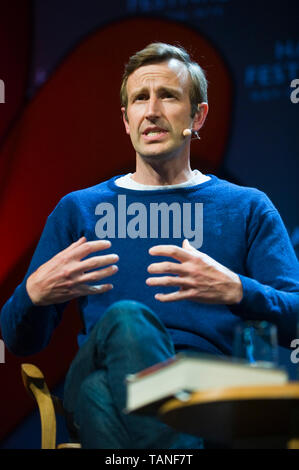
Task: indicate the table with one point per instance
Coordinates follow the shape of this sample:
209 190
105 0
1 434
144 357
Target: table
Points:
239 417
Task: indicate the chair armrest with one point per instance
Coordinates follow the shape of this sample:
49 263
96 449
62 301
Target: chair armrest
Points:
35 384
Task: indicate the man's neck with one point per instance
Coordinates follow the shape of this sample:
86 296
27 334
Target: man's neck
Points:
162 173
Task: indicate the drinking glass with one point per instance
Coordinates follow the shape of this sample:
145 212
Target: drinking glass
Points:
256 342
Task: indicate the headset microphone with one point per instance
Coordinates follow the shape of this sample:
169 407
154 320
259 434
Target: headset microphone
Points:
187 132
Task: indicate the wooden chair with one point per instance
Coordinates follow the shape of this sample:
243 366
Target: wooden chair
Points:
48 406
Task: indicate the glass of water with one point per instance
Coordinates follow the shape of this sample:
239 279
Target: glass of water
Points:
256 342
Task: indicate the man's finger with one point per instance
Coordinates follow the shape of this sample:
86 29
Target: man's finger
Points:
167 281
166 267
171 251
92 290
73 245
98 262
99 274
173 296
90 247
85 290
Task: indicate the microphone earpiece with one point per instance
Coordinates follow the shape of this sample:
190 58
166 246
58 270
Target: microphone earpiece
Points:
187 132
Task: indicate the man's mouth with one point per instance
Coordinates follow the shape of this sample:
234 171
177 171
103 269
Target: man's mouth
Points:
154 132
151 133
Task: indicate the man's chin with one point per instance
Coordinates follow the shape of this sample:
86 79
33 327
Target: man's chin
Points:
161 156
156 153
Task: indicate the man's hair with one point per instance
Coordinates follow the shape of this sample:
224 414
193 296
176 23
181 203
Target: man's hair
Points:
157 52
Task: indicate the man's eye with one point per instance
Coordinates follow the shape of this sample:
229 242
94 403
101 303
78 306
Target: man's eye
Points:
140 97
167 95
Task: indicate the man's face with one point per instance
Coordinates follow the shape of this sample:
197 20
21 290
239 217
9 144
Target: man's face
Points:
158 109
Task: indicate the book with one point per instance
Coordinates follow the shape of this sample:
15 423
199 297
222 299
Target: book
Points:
188 372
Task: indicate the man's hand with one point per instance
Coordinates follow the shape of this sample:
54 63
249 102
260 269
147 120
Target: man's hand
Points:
64 276
198 276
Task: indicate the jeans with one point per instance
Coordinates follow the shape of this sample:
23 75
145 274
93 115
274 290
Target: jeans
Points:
128 338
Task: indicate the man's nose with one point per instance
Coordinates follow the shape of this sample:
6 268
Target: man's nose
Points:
153 109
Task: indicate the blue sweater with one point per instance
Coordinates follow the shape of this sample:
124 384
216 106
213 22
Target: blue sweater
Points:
239 227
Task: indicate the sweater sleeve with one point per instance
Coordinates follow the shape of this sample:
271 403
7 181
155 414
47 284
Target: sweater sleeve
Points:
271 283
26 328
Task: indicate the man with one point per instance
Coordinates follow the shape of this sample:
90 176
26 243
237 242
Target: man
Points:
239 263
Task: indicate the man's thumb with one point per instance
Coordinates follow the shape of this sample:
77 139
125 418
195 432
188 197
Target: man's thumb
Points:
187 246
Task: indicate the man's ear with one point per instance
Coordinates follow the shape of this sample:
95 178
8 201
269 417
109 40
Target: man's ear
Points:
125 119
200 116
